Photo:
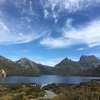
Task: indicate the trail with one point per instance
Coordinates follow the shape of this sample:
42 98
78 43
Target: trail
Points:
49 94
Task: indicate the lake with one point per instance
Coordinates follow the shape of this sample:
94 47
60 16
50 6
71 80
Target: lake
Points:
46 79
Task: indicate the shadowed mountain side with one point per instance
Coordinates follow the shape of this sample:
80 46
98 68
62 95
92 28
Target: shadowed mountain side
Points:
69 67
91 72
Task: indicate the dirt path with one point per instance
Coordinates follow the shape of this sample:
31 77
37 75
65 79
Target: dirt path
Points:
49 94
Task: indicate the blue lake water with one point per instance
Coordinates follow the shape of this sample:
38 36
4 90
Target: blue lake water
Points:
46 79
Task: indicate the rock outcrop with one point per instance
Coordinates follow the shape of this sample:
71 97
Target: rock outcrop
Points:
2 73
89 59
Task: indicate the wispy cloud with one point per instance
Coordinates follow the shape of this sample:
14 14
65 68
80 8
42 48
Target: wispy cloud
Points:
87 34
70 6
18 29
8 36
46 13
81 49
69 22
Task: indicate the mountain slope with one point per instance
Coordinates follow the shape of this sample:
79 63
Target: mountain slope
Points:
91 72
11 68
68 67
23 67
35 67
88 62
87 65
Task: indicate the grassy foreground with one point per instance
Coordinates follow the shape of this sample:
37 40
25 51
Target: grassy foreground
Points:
20 91
83 91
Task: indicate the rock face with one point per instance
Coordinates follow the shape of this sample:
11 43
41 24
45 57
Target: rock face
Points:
2 73
26 64
89 59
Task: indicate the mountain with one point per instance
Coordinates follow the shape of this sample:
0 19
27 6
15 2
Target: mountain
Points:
29 65
69 67
10 67
91 72
89 61
23 67
87 65
35 67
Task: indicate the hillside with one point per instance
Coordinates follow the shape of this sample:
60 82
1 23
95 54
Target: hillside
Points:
35 67
69 67
23 67
87 65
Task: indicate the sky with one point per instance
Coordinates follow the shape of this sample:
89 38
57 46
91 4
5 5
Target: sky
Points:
47 31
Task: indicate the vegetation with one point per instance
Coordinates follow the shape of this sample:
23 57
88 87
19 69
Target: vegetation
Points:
83 91
20 91
90 72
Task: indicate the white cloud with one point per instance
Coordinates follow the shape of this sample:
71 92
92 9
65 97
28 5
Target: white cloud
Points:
46 13
81 49
68 6
3 27
56 42
89 34
8 36
56 20
69 22
30 3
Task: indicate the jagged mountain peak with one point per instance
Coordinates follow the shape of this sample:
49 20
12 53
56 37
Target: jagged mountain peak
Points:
66 60
91 58
23 60
26 63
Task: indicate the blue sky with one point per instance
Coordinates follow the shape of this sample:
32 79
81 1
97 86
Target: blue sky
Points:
46 31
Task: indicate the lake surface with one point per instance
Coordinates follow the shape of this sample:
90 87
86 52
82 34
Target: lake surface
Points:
46 79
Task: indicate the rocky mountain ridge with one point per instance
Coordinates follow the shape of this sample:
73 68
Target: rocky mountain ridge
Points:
26 67
69 67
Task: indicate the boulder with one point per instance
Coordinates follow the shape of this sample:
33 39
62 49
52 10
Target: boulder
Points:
2 73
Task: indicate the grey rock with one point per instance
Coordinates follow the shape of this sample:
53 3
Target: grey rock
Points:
2 73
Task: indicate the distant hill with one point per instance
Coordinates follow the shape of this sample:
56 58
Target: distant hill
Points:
91 72
87 65
35 67
10 67
69 67
23 67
